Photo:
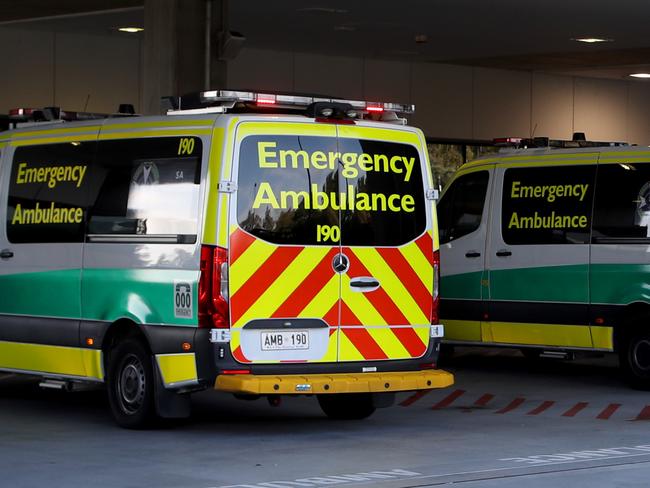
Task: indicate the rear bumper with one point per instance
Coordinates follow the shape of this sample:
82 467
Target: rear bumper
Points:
334 383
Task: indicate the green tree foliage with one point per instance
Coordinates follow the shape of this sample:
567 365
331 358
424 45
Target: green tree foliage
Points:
447 158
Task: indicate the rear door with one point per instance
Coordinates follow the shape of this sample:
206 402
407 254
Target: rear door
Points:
387 246
284 238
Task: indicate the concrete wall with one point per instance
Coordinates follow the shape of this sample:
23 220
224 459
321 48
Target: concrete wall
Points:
41 68
75 72
463 102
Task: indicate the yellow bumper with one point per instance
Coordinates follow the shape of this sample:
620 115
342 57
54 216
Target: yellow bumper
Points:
333 383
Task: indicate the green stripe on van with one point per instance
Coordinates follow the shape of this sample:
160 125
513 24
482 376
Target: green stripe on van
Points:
620 284
544 284
144 295
466 286
44 294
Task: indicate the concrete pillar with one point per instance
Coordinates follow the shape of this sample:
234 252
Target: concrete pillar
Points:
179 57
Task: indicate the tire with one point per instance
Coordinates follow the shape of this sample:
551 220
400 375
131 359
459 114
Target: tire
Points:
130 385
348 406
634 359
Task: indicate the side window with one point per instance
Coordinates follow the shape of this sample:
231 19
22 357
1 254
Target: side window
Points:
48 192
622 203
147 187
549 205
461 208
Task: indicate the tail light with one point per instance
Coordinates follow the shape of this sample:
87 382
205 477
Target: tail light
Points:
436 287
213 288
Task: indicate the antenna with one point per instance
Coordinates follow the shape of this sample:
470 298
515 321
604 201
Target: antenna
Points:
87 100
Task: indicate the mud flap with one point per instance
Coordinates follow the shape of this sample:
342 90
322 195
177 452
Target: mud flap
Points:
169 404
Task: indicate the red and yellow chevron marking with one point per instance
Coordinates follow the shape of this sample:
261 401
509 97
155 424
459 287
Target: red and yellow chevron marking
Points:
270 281
392 322
396 316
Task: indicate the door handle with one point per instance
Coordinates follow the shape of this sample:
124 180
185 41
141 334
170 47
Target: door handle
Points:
6 254
364 284
472 254
502 253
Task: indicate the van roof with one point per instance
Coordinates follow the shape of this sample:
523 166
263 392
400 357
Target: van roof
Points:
523 155
223 102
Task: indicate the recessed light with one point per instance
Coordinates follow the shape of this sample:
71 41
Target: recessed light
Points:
640 75
591 40
130 30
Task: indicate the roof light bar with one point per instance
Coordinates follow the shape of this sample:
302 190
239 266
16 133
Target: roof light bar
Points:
21 112
231 97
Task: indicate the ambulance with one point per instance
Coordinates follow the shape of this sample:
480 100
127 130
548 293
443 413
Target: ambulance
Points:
258 244
546 247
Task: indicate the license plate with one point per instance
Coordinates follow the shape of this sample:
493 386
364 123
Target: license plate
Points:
285 340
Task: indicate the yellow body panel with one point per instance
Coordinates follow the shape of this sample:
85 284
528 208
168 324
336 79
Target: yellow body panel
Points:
177 369
56 360
462 330
551 335
603 337
334 383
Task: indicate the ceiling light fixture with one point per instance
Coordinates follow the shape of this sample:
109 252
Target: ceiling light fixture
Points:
130 30
591 40
640 75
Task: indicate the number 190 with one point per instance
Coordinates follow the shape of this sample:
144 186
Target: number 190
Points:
328 233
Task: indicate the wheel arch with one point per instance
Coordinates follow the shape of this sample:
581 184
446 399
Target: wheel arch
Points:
119 331
636 316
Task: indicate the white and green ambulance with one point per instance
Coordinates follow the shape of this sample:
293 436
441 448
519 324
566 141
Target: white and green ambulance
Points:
548 249
259 244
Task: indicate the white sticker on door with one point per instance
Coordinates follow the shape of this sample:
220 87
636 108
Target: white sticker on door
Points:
183 300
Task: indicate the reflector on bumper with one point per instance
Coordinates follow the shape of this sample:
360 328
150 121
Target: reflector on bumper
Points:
334 383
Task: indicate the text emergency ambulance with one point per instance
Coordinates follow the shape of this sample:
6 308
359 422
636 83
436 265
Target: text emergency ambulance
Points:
259 244
545 247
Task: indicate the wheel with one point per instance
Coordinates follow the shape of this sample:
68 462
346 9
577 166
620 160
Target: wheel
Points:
131 385
635 360
348 406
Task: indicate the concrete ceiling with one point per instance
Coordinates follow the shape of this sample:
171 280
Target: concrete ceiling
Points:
509 34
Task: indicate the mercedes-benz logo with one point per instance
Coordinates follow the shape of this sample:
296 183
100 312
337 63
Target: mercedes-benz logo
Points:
340 263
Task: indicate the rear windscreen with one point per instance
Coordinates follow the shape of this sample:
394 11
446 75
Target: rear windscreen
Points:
310 190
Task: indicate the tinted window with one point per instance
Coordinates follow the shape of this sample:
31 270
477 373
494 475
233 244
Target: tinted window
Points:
48 192
309 190
385 179
550 205
285 185
461 208
622 203
146 186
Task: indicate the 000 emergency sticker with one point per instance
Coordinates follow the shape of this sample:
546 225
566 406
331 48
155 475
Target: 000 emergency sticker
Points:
183 300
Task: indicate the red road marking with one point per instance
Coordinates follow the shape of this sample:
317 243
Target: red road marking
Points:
414 398
448 400
484 400
644 414
543 406
608 411
512 405
575 409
